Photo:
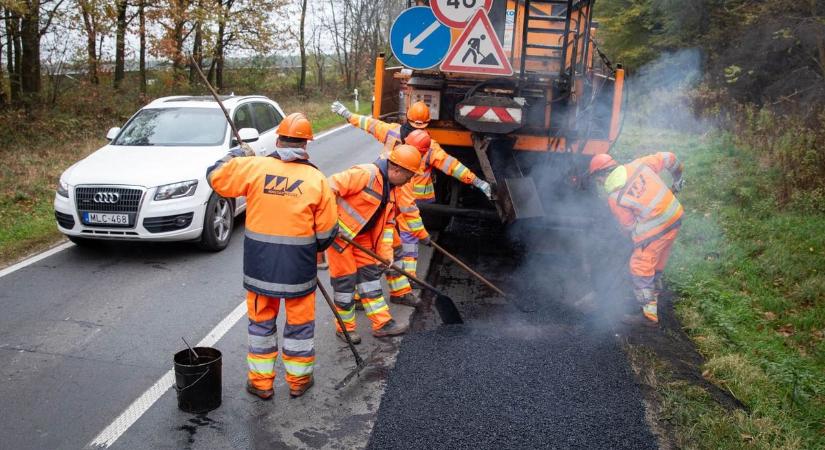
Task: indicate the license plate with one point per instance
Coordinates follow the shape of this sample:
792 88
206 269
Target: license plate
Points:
108 219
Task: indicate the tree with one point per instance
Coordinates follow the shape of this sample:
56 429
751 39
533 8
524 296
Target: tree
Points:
26 17
121 7
13 51
93 16
142 38
302 46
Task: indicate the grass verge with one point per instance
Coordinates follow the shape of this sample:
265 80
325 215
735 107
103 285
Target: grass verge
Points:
750 280
40 146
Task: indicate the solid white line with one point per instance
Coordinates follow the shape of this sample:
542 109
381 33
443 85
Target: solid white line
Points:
327 133
34 259
128 417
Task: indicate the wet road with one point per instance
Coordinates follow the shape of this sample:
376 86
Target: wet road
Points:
84 333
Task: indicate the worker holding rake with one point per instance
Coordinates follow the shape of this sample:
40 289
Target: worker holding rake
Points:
648 210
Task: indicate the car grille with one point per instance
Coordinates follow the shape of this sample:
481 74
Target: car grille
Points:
167 223
64 220
112 199
128 201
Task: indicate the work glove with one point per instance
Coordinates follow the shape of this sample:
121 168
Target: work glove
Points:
339 108
678 185
247 149
484 187
425 241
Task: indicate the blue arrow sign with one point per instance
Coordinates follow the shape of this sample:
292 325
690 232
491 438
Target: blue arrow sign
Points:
418 39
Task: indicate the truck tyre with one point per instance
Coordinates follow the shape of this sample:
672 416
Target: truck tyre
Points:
218 223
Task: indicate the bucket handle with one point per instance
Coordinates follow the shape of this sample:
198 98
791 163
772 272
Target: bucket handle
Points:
205 372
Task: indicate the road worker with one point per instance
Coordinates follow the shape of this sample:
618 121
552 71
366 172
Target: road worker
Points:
391 134
649 212
367 203
290 217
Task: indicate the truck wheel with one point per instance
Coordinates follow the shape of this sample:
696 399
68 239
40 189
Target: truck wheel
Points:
218 223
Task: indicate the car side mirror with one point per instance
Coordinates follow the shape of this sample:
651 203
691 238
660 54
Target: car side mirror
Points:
247 135
112 133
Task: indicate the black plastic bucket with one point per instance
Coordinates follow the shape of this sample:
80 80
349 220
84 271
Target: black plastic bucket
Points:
198 380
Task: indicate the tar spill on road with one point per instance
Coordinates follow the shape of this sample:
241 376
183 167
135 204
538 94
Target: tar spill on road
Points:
195 423
540 369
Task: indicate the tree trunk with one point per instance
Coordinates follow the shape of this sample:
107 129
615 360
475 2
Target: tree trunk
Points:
120 44
142 63
219 54
30 53
197 53
13 55
302 43
91 40
2 77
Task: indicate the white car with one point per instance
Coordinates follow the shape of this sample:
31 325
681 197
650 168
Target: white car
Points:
149 182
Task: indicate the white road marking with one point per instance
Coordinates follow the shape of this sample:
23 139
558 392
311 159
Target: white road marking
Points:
127 418
334 130
35 258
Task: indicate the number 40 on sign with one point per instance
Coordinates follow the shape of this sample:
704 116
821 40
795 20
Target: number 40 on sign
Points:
456 13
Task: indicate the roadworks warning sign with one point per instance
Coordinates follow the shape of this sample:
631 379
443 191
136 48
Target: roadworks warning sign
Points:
478 50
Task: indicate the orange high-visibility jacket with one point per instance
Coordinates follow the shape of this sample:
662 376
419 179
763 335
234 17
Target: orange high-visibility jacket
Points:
389 134
290 216
409 217
359 191
645 205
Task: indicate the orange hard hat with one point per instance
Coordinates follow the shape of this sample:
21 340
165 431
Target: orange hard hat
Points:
419 139
601 162
297 126
406 156
419 115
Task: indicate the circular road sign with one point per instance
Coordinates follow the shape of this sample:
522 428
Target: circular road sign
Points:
418 40
456 13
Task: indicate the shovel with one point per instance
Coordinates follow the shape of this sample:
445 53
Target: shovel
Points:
359 362
444 305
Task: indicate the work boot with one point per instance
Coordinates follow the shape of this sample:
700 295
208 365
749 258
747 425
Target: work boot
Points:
301 390
391 328
638 320
406 300
264 394
356 338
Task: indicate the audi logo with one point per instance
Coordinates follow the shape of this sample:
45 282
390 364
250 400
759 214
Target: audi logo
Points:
106 197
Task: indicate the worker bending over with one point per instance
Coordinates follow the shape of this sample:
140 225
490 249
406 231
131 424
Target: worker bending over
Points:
290 216
648 210
367 198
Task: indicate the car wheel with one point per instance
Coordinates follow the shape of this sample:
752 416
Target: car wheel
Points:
218 223
85 242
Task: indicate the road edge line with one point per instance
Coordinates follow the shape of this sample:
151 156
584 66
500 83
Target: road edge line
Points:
33 259
327 133
137 408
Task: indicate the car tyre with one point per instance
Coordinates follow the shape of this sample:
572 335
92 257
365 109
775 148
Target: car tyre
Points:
218 223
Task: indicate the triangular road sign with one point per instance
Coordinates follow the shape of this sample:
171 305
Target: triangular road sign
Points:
478 50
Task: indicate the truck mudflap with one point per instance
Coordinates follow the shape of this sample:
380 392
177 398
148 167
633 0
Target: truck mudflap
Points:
490 114
514 194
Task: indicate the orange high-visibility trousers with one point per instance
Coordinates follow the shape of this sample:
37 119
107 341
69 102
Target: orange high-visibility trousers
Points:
351 271
646 266
405 253
298 346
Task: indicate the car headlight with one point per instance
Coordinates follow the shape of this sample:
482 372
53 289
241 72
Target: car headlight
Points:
176 190
62 188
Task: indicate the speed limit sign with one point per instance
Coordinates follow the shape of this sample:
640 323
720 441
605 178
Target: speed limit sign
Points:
456 13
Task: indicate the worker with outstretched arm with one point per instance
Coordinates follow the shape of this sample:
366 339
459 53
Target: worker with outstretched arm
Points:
367 204
391 134
291 215
649 212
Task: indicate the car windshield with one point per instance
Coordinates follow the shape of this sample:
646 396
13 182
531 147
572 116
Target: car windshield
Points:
174 126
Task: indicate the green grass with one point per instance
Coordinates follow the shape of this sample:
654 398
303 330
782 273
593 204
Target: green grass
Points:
751 279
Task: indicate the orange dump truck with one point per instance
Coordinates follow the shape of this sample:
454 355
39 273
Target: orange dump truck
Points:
530 132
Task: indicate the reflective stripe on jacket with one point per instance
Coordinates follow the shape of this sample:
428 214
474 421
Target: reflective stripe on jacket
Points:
359 194
436 157
645 205
388 134
409 217
290 216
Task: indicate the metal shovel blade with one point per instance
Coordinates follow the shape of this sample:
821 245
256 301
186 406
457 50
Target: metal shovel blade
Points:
524 197
447 310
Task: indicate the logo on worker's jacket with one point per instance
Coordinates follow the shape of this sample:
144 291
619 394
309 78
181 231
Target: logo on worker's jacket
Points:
279 185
